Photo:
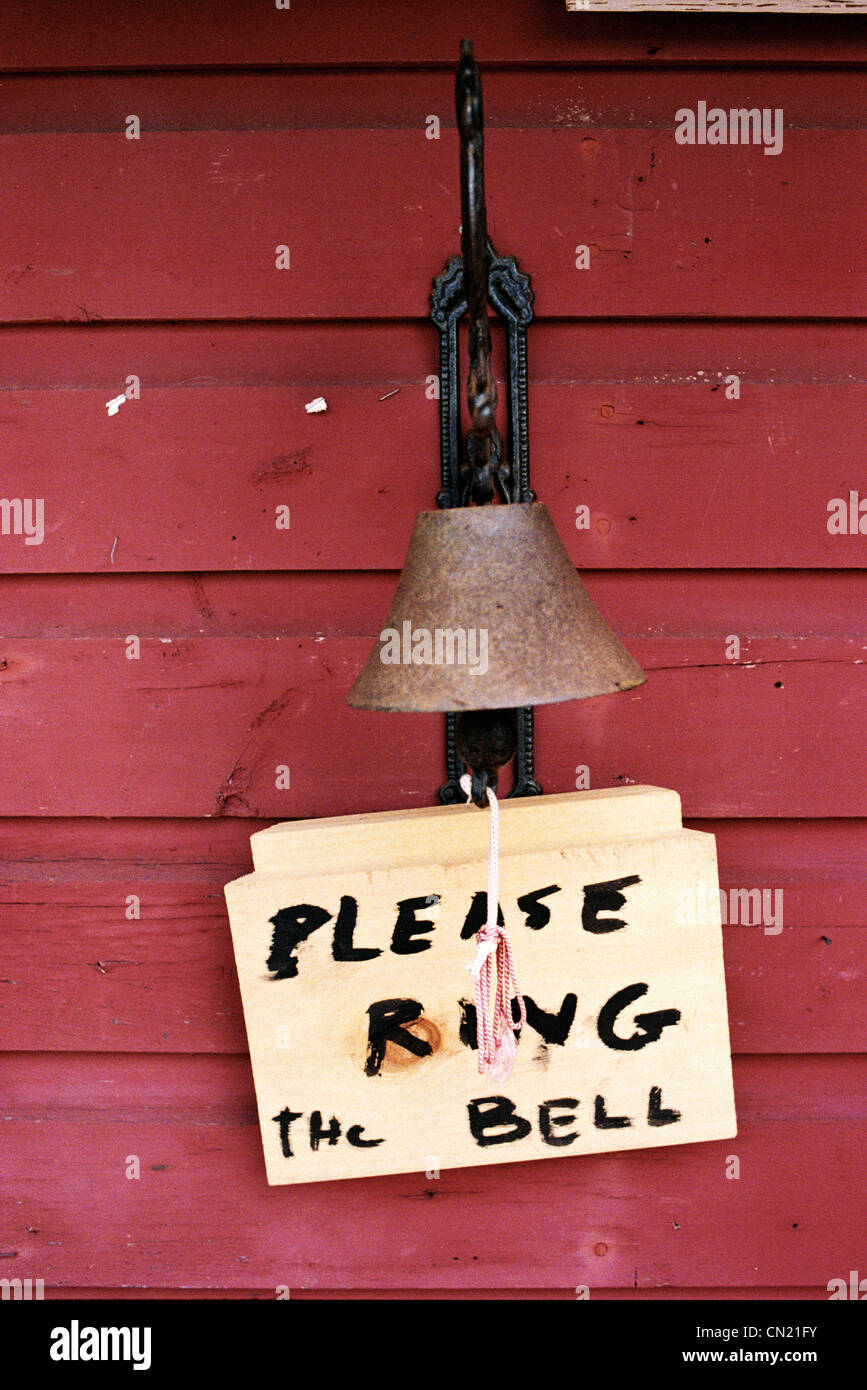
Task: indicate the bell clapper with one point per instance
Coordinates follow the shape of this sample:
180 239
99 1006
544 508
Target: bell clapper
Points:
486 740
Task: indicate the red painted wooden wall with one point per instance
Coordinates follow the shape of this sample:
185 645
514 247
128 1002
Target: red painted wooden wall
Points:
155 258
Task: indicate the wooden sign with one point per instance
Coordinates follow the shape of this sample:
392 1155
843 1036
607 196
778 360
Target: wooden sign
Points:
353 940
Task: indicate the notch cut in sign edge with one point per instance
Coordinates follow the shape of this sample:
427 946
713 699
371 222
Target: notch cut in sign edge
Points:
580 834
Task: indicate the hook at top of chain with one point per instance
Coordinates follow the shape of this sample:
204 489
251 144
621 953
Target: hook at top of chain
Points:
485 468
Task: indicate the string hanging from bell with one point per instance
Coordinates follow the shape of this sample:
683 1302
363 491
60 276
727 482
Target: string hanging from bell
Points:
495 1030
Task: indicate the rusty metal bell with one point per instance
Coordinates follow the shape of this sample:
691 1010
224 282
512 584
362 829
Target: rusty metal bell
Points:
490 614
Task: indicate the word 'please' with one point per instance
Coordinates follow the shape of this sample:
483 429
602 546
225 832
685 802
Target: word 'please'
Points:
411 932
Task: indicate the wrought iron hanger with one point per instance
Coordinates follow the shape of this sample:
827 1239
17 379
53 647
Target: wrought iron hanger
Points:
477 469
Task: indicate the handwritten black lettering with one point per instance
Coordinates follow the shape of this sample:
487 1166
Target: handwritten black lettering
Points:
291 925
284 1120
386 1019
496 1112
407 927
353 1136
552 1028
478 916
656 1115
343 947
547 1122
318 1132
650 1025
604 897
602 1120
538 914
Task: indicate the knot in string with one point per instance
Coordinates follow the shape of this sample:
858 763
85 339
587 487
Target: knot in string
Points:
495 1033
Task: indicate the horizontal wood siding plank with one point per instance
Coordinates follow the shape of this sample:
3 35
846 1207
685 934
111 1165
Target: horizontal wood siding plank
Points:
68 36
672 474
554 99
311 1295
642 1220
200 726
604 351
677 604
186 226
78 976
820 863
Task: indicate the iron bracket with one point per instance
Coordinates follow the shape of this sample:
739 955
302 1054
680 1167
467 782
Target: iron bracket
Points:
511 294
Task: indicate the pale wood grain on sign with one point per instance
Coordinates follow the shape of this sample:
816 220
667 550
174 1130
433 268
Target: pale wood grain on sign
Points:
308 1031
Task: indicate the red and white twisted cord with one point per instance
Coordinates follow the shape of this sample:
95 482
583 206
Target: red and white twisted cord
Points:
493 965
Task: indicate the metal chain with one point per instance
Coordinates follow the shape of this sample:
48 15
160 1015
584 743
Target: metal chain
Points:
485 468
